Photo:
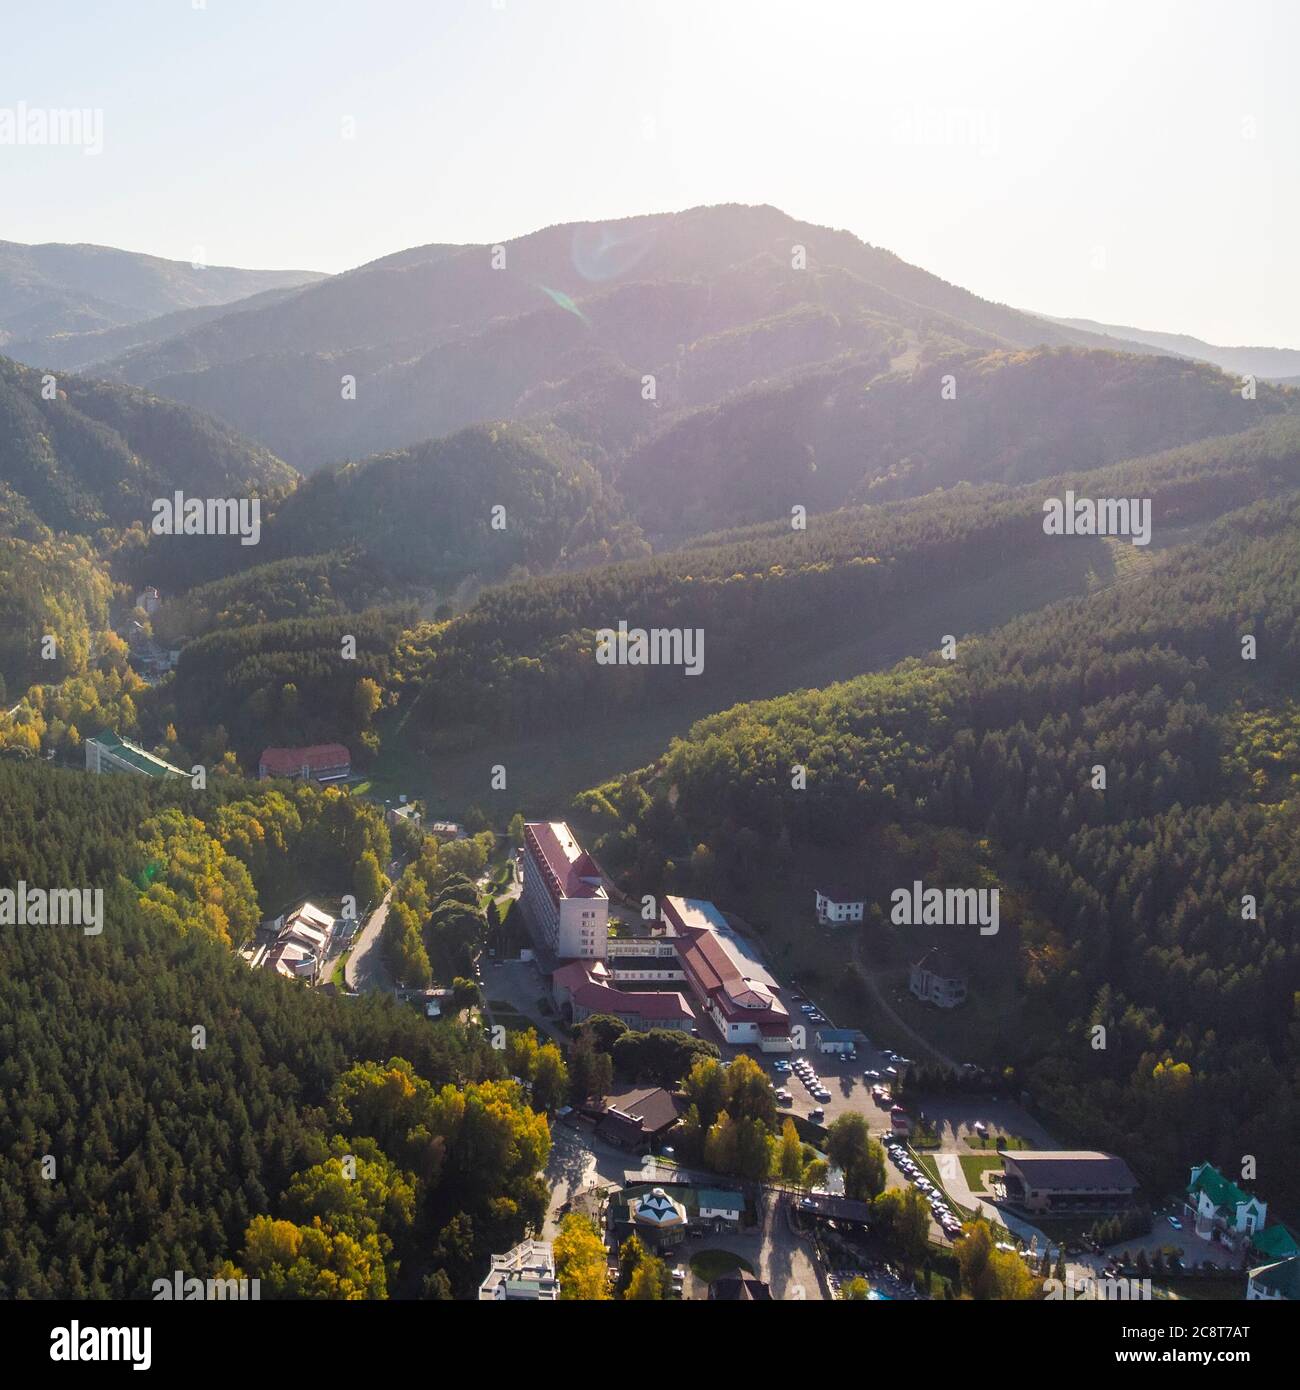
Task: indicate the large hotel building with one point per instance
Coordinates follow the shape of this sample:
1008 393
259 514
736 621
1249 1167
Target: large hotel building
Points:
563 893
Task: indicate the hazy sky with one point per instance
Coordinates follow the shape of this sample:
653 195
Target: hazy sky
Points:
1133 162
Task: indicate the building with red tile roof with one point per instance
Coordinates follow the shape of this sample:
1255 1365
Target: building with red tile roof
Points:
564 895
588 989
727 979
322 762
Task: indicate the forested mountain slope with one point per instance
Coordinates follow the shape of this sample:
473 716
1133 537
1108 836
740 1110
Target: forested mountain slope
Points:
441 337
60 288
522 658
195 1110
1162 905
78 454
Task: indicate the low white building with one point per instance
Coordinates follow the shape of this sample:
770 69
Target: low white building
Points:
1279 1281
1220 1210
719 1205
301 942
938 979
524 1274
837 905
405 814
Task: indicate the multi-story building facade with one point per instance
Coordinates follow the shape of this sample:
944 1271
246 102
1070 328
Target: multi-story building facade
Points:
524 1274
729 983
938 979
563 893
108 753
322 762
837 905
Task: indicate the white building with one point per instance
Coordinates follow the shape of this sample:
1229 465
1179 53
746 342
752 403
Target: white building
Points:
563 893
835 906
938 979
720 1205
108 753
1277 1281
525 1274
726 977
301 943
1220 1210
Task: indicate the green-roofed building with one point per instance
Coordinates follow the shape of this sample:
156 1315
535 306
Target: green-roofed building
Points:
720 1207
1221 1210
1275 1243
1279 1280
107 752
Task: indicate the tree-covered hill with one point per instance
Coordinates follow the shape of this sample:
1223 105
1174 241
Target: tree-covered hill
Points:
854 433
97 455
522 658
1161 905
58 288
441 337
164 1107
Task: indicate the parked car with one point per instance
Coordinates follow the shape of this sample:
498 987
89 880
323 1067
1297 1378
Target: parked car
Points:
817 1113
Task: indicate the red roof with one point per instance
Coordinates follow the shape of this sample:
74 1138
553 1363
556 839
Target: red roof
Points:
551 843
602 999
718 976
288 762
587 989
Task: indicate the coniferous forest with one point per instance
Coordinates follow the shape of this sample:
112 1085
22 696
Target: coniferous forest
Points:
649 653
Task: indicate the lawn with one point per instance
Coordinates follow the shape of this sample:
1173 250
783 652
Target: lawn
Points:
974 1166
337 977
931 1168
709 1265
990 1141
509 1017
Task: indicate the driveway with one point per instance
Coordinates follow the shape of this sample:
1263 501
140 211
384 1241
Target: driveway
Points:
578 1163
365 969
781 1257
519 984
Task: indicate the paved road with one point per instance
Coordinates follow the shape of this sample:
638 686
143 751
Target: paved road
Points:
520 983
782 1258
365 969
578 1162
